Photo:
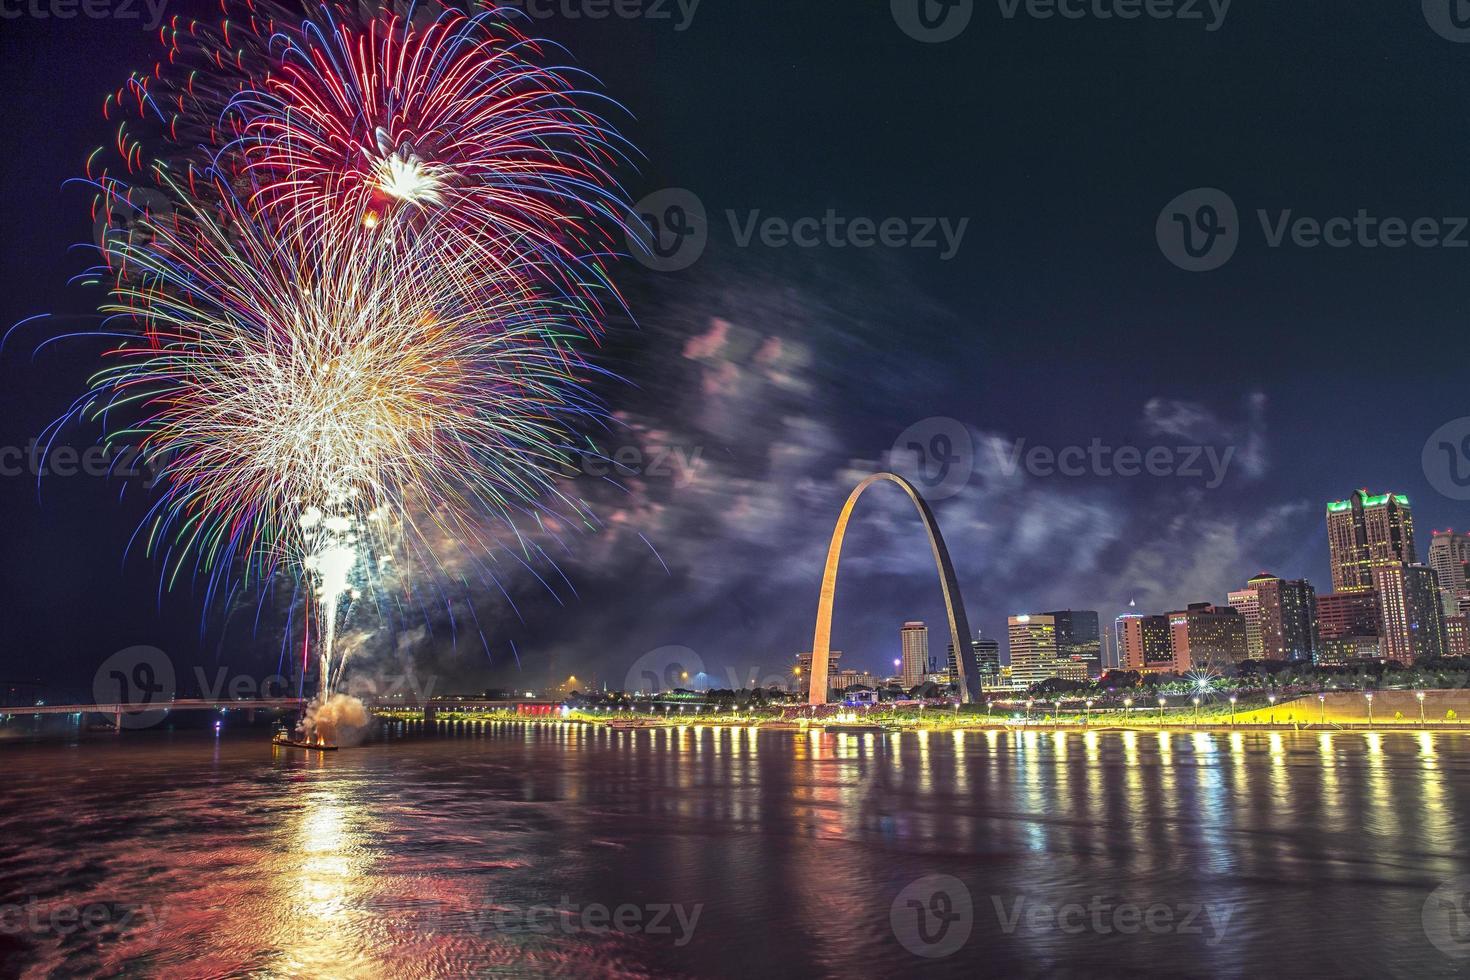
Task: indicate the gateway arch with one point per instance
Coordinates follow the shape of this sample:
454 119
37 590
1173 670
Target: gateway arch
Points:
954 606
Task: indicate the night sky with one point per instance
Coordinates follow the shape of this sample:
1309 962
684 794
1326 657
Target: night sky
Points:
792 371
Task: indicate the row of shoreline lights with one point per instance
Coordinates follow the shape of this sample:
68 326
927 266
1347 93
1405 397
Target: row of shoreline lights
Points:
1088 702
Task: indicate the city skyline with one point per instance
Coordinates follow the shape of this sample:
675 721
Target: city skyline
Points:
1406 612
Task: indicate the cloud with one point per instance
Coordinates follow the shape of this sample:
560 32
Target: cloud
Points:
1168 417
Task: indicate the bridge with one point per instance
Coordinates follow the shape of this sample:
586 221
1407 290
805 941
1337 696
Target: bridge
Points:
117 710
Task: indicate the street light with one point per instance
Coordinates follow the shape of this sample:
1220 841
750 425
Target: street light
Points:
1272 698
1088 720
1232 710
1028 711
1369 696
1322 709
1196 711
1127 710
1161 711
1420 696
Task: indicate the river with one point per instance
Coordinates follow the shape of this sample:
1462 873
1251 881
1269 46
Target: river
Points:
522 850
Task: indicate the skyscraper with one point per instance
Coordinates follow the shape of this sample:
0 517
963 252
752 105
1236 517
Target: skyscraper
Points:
984 660
1286 617
1144 644
1341 614
1079 640
1248 601
1033 649
1366 532
1410 613
804 669
1449 554
1207 637
1457 636
914 641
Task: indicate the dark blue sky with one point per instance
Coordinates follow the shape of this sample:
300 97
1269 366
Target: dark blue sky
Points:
792 371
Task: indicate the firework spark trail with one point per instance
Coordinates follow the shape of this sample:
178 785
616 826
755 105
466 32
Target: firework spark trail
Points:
353 330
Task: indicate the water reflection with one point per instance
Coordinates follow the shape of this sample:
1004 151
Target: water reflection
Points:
388 859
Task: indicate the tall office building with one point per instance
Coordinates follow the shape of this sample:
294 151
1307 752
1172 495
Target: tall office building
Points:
1348 627
1366 532
984 660
1144 643
914 641
1286 613
987 651
1248 602
1457 636
1449 556
1079 641
1033 642
1207 637
804 669
1410 613
1342 614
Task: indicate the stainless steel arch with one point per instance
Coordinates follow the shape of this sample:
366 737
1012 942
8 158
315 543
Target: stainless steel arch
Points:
954 605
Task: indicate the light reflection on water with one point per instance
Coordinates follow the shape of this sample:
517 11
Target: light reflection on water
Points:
397 858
